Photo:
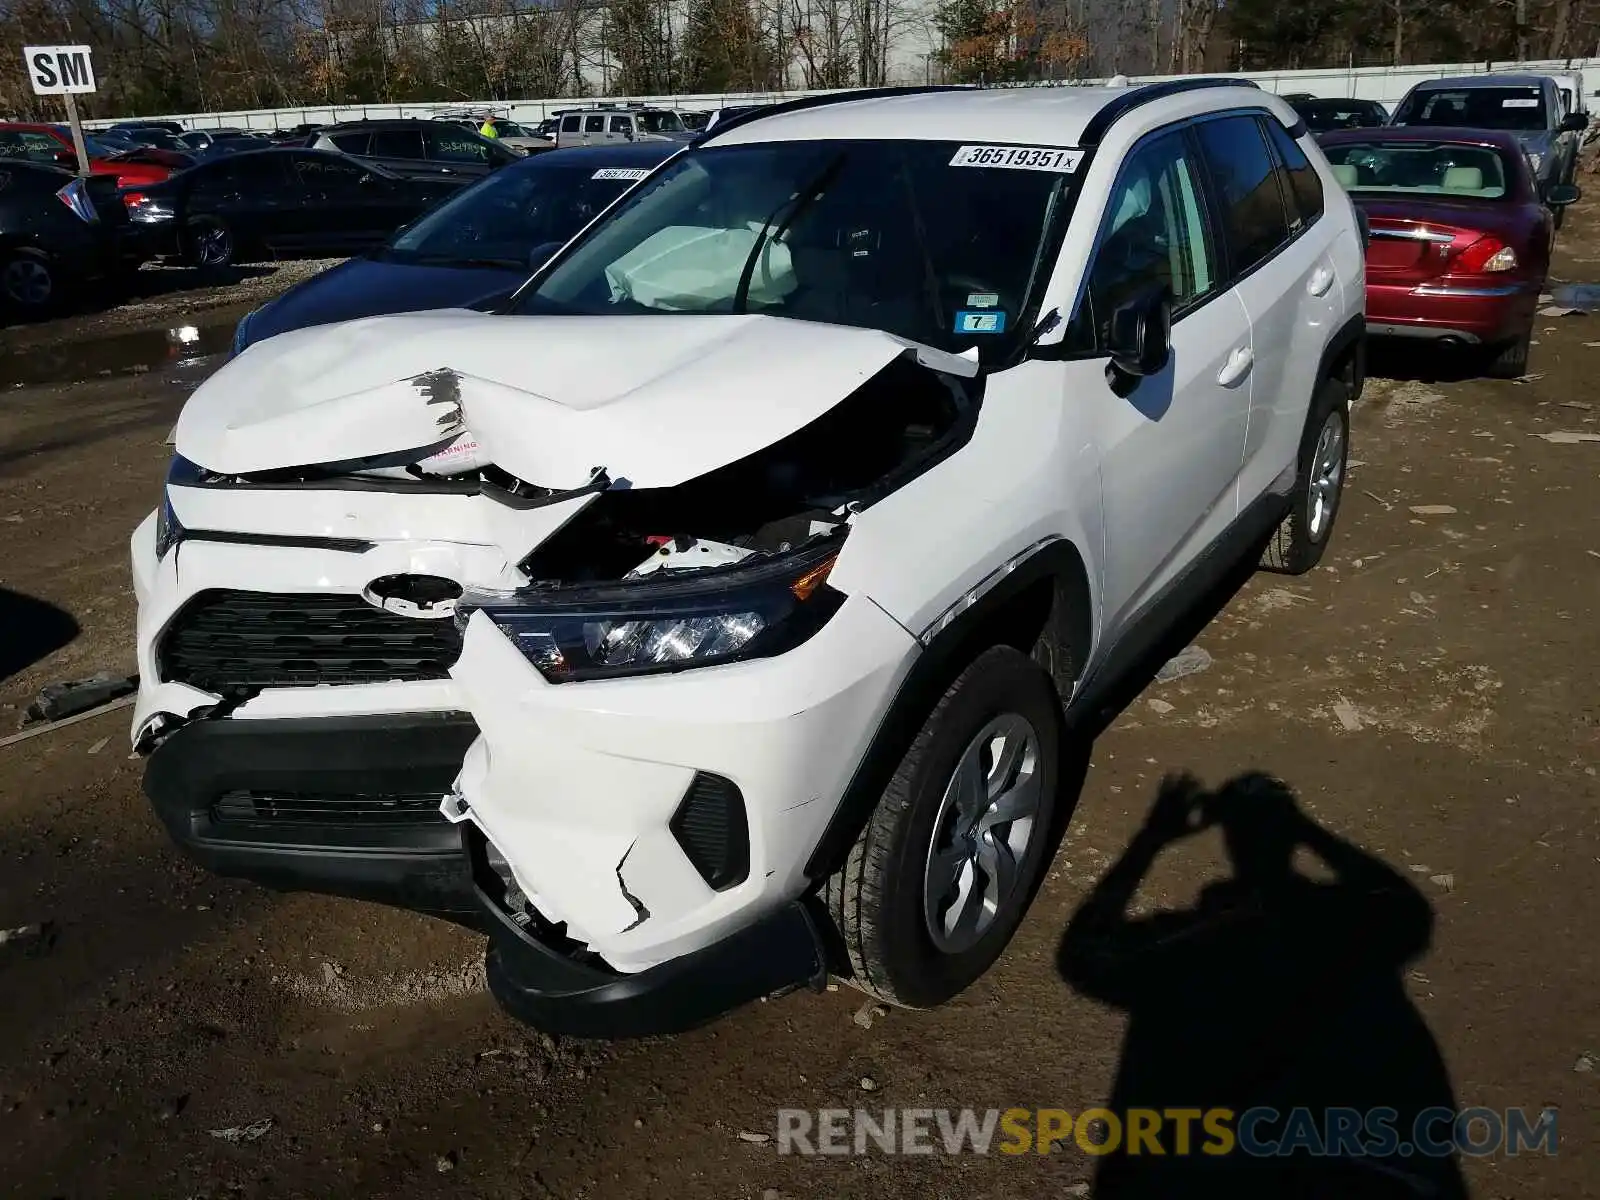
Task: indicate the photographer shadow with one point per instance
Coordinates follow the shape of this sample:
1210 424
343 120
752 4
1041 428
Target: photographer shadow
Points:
1275 991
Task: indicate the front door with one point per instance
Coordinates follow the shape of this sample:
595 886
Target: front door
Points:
1170 445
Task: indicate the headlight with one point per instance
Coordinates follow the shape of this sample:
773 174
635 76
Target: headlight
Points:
709 617
169 530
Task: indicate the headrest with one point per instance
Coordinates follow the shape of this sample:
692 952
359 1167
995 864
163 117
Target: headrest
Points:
1463 179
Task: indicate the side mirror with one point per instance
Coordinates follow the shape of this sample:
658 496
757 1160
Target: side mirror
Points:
1140 336
1562 194
1574 123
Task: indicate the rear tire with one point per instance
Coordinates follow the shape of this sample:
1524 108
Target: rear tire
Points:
1298 543
938 881
208 244
29 282
1510 360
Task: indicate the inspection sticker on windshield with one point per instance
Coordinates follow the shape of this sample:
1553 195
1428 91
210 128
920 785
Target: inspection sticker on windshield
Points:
634 173
1018 158
984 320
1520 102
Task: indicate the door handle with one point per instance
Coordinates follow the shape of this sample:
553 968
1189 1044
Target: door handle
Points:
1237 367
1321 281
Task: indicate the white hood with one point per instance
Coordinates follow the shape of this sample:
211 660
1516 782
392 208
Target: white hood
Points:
652 400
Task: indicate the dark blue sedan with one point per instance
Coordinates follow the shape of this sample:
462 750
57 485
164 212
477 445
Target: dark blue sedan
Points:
473 249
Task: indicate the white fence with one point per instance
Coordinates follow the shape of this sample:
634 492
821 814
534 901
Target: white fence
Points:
1385 84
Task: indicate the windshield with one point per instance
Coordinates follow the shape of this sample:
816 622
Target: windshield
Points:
1514 108
889 235
660 122
499 221
1419 168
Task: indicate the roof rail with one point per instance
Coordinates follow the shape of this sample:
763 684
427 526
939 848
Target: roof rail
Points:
1129 100
805 102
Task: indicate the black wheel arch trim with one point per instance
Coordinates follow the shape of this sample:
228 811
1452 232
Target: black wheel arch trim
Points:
1057 562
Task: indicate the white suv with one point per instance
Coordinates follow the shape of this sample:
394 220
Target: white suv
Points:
719 615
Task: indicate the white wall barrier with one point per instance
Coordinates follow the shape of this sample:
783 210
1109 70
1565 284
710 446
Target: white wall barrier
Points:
1384 84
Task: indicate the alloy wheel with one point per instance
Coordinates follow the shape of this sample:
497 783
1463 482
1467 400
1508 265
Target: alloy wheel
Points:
1327 478
27 282
986 821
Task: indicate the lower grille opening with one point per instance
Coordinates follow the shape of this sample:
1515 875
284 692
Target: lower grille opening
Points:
713 830
322 809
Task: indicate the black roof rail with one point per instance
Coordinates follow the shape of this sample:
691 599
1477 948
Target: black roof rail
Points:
1096 128
757 112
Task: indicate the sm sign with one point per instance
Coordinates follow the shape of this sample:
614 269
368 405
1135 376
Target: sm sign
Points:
59 70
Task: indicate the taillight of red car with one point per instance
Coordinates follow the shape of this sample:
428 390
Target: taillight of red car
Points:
1474 253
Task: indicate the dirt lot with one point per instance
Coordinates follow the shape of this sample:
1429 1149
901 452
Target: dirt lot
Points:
1432 695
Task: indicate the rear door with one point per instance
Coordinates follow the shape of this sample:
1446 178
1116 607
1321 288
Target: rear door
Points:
346 205
400 150
251 194
1282 267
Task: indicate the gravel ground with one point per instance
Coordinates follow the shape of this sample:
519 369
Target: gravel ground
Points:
1430 698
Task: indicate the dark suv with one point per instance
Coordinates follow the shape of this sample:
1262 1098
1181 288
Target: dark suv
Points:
417 147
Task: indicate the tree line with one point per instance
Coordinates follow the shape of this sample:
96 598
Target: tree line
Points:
159 56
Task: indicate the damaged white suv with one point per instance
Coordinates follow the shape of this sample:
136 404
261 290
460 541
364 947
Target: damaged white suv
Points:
716 617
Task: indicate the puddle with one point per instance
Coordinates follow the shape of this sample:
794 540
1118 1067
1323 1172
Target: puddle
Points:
1582 296
182 355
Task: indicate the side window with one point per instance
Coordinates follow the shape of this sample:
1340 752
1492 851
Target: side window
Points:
326 174
1305 186
456 145
352 143
569 124
594 124
1253 215
621 125
396 143
1155 236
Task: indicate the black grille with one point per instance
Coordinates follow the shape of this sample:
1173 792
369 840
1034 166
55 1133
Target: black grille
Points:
306 808
229 642
711 826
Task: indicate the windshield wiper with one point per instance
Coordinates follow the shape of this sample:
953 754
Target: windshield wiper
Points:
456 260
801 200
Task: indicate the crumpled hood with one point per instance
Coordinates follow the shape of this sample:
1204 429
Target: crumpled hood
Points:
652 400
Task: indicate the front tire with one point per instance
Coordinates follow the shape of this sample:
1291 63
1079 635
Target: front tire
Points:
1298 543
938 881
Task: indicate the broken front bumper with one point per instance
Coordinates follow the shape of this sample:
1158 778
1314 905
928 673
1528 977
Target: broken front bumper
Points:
550 989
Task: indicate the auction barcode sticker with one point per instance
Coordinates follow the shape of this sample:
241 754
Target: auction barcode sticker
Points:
1018 158
621 173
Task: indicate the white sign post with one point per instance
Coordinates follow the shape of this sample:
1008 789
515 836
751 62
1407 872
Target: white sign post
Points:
65 71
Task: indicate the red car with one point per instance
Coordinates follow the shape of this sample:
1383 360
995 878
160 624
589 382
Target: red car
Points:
47 143
1460 237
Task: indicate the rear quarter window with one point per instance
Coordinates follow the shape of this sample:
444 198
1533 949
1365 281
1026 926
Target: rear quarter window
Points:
352 143
1305 185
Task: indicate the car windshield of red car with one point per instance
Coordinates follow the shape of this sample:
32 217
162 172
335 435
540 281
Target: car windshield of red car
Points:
1419 168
